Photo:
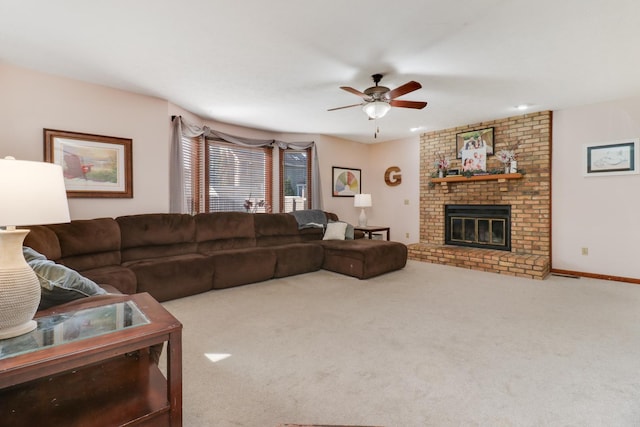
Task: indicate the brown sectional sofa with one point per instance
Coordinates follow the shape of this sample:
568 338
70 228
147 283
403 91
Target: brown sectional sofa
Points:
175 255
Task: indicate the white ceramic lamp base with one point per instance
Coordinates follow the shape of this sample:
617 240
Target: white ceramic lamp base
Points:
362 219
19 287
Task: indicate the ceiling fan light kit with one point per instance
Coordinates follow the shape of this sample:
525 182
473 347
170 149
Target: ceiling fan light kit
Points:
376 109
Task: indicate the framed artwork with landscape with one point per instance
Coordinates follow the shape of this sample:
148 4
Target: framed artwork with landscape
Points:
474 140
346 182
613 158
93 165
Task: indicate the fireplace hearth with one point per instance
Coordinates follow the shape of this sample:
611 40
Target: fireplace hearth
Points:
478 226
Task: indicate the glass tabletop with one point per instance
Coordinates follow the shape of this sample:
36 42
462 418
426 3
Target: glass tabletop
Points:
72 326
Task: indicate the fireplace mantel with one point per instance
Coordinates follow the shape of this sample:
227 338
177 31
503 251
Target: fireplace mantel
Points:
490 177
501 178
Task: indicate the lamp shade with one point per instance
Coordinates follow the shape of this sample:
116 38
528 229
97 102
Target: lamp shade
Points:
376 109
32 193
362 201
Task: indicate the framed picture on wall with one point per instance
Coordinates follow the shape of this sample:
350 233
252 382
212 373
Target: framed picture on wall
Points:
613 158
475 139
346 182
93 165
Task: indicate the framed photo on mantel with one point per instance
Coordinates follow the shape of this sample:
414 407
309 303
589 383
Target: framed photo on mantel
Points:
93 165
474 140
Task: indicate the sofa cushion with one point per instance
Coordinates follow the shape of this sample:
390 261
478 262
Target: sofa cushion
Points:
276 229
171 277
43 240
309 234
58 284
242 266
297 258
89 243
224 230
157 235
121 278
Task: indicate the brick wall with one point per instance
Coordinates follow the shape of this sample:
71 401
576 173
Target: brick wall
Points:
529 197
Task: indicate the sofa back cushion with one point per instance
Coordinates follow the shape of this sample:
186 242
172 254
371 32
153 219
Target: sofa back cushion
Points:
276 229
147 236
87 243
217 231
43 240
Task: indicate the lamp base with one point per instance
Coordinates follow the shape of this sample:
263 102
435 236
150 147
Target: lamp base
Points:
362 220
14 331
19 286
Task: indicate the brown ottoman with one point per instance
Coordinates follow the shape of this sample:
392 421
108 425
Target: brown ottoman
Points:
363 258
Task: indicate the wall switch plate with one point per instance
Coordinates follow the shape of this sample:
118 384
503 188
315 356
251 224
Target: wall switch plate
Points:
406 235
585 251
406 201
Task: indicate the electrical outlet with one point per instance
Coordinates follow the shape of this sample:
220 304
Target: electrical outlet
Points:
406 235
585 251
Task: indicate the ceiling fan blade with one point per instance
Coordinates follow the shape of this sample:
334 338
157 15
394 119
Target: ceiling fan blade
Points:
408 104
404 89
355 92
346 106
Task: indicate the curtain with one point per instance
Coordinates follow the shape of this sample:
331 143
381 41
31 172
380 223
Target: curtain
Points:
177 196
177 199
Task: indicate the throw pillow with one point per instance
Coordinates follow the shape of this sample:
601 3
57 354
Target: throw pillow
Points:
58 283
349 233
335 231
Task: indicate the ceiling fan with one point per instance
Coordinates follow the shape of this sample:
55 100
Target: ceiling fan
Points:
378 100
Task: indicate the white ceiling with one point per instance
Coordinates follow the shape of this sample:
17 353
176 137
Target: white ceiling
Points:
278 65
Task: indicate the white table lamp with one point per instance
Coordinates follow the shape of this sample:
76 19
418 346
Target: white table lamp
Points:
362 201
31 193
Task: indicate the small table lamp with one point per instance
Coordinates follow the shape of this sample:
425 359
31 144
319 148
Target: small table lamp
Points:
362 201
32 193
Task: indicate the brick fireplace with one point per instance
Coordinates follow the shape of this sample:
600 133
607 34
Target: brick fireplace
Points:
528 195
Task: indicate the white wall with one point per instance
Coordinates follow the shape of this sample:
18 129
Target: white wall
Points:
599 213
347 154
389 207
31 101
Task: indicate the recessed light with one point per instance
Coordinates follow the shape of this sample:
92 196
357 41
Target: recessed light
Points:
416 129
522 107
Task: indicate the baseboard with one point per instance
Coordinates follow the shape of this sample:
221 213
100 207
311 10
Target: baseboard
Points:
595 276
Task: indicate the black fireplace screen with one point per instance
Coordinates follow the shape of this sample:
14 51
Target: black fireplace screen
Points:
481 226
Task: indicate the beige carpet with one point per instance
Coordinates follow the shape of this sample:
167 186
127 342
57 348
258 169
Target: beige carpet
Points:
426 346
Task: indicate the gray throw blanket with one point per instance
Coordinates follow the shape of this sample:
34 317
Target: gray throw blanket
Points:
310 218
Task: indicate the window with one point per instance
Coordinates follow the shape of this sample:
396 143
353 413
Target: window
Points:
238 178
218 175
295 180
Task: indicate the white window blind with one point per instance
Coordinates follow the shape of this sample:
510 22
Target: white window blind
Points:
238 178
